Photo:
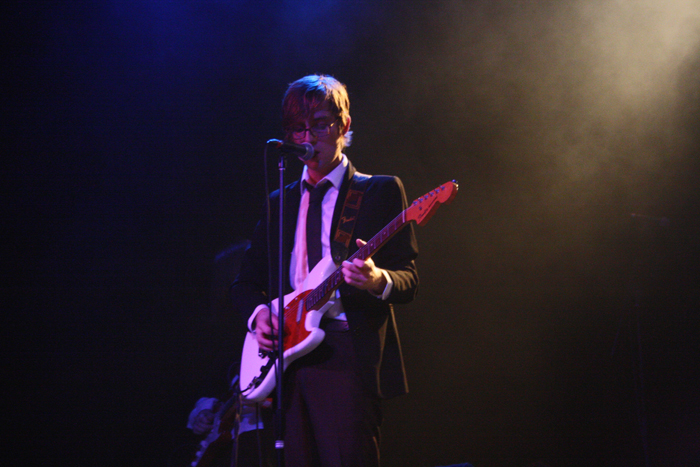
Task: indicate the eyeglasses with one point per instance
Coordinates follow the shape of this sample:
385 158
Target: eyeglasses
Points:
319 130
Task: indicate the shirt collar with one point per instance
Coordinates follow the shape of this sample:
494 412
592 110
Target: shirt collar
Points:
335 177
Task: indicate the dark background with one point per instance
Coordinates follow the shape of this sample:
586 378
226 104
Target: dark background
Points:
564 274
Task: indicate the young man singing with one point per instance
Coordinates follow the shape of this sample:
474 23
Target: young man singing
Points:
332 395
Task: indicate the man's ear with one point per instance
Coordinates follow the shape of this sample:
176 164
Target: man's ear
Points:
347 126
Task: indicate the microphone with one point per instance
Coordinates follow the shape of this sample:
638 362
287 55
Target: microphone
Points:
304 151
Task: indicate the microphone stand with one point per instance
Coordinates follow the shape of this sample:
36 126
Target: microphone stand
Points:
279 414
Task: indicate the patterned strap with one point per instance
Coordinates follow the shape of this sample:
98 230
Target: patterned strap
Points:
348 216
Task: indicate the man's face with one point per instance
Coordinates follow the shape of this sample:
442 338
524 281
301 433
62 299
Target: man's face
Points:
326 137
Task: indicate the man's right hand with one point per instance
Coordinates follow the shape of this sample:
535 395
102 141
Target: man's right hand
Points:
263 332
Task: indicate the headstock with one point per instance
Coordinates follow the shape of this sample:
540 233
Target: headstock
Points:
423 208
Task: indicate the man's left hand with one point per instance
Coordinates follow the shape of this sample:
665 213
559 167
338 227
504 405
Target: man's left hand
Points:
364 275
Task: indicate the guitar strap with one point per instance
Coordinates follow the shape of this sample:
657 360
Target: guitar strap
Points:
346 224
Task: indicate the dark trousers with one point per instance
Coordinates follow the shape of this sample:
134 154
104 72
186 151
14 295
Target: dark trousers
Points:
331 420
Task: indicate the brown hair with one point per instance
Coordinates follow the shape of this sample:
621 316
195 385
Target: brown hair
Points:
305 95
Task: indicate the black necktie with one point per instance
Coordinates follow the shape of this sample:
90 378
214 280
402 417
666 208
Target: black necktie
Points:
313 222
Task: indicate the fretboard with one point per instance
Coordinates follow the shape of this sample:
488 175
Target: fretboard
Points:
323 291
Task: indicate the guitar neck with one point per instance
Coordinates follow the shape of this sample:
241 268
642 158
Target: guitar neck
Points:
328 286
419 211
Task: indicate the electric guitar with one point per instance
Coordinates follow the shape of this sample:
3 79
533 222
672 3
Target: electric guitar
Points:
304 308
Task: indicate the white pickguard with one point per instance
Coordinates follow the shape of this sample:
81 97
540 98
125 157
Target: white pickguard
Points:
256 383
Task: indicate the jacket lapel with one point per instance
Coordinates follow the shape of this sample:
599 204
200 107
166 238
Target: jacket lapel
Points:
292 201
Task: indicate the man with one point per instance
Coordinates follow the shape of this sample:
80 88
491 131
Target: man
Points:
332 395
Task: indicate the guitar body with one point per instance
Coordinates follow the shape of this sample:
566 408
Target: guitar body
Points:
301 335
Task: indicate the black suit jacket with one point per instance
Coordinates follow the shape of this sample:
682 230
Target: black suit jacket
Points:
371 320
